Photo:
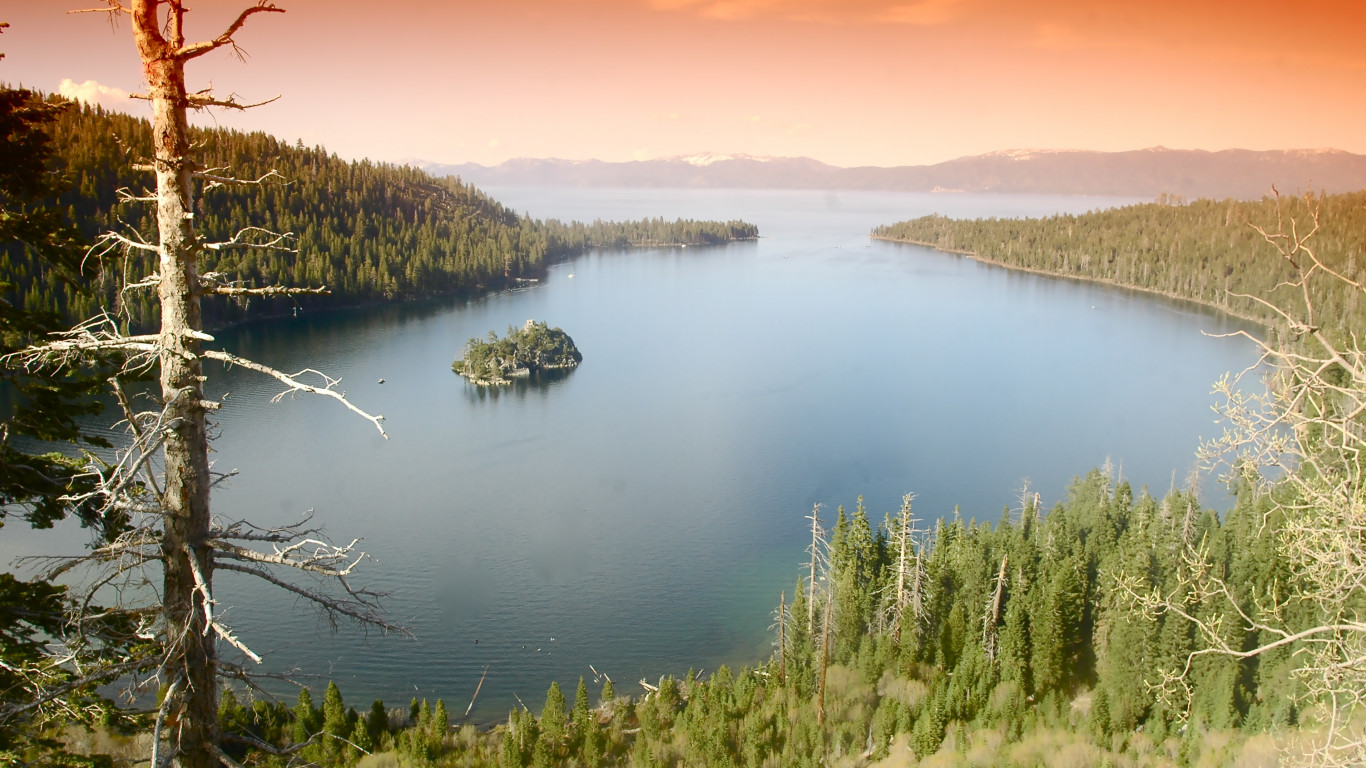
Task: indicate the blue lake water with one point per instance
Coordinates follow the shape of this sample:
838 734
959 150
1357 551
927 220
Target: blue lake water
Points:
642 513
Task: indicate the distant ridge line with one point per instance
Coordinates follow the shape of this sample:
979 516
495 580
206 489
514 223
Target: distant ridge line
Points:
1192 173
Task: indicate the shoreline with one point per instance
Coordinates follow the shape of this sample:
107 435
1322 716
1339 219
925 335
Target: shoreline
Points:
516 373
977 257
465 292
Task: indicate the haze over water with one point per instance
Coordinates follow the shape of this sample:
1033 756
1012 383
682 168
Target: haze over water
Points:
642 513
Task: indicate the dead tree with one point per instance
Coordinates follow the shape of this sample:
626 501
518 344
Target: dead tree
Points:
905 590
993 612
159 485
1025 512
782 638
819 561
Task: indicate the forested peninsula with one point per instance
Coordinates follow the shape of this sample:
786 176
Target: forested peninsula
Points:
1206 251
369 232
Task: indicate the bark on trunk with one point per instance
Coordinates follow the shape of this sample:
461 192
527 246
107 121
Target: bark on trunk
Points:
811 581
782 638
825 662
189 640
903 552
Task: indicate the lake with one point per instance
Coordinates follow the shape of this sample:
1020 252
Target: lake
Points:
642 513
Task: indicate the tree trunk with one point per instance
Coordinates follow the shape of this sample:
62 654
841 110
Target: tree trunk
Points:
811 581
825 662
782 638
189 641
903 540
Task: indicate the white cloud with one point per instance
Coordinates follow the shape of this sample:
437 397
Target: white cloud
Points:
93 93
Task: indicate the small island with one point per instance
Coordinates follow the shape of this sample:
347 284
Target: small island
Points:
532 348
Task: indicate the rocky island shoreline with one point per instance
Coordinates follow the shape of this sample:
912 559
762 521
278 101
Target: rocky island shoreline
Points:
523 351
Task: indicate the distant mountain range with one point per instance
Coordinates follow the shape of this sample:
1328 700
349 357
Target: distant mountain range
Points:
1236 173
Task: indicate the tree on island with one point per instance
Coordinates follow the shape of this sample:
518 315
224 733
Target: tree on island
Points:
532 348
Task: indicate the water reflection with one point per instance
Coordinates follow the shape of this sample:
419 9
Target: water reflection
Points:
518 388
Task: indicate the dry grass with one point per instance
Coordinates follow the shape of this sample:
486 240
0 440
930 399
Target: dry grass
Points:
1259 751
908 692
1053 749
101 741
1081 706
379 760
899 755
841 682
985 749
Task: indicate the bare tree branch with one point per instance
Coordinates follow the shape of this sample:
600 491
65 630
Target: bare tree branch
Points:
216 180
238 241
113 8
291 381
272 290
187 52
204 101
362 611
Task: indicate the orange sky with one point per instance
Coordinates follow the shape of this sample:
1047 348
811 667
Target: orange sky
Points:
849 82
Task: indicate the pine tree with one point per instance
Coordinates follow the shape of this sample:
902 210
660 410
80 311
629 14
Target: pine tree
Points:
580 714
851 567
306 718
1056 629
554 720
229 711
377 722
542 755
334 711
439 727
510 753
360 739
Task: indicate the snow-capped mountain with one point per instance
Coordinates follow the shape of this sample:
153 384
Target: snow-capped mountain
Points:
1140 173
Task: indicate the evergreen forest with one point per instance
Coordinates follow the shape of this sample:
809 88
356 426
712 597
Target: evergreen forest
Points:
1014 643
1077 637
1206 251
368 232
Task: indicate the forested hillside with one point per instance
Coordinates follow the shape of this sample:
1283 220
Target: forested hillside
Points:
369 232
1005 644
575 236
1206 251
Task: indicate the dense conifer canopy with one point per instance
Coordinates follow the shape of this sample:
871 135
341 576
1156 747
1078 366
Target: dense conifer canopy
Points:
370 232
1204 251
